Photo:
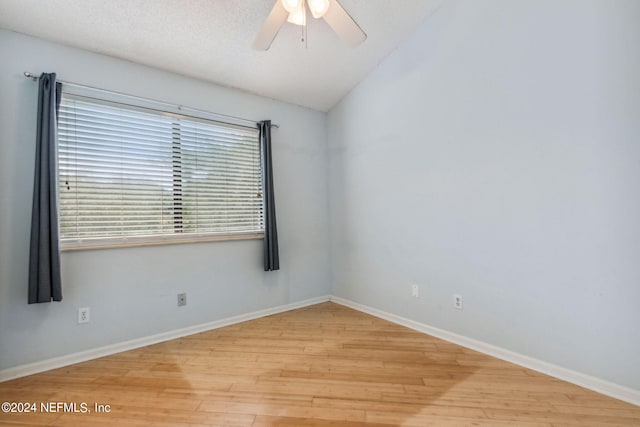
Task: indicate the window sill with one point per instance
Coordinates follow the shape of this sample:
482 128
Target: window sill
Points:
135 241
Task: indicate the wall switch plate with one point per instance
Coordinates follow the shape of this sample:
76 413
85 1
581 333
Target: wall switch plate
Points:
415 291
182 299
83 315
457 301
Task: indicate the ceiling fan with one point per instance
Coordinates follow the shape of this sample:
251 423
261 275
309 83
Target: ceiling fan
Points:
295 11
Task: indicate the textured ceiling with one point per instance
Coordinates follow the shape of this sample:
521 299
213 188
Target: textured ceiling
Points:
211 40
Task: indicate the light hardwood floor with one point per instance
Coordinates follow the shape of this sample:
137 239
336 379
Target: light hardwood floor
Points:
324 365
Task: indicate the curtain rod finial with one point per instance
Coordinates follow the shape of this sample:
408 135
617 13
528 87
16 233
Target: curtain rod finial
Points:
30 75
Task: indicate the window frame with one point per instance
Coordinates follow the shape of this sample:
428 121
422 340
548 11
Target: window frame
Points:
168 110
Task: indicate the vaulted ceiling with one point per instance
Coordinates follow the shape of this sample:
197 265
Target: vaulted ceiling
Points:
211 40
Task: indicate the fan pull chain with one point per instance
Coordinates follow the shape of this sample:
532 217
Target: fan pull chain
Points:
303 30
305 37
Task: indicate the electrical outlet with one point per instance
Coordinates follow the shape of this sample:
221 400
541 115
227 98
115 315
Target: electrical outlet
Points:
182 299
415 291
457 301
83 315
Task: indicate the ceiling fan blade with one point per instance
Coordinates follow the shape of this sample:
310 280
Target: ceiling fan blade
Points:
344 25
271 27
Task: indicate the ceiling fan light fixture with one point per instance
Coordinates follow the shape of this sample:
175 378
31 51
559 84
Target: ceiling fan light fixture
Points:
291 5
330 10
318 7
298 16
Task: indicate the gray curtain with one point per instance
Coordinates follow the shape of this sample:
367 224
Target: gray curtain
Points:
45 283
271 256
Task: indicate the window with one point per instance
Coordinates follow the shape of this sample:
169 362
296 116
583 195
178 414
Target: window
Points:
138 175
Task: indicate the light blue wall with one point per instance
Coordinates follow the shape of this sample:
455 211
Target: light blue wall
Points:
496 154
132 292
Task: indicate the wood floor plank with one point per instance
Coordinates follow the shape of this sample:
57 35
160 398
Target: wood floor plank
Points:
323 365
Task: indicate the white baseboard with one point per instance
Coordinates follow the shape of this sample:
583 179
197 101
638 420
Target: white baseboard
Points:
592 383
83 356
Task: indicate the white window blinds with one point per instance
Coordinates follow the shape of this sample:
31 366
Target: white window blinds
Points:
134 174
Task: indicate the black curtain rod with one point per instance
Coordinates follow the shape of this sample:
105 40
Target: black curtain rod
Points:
35 77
